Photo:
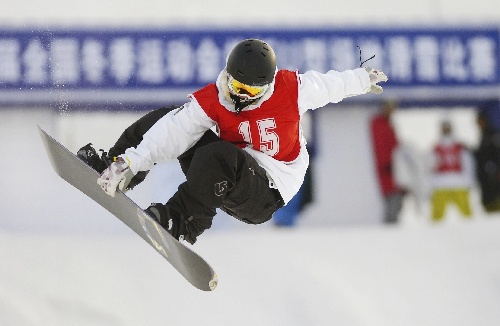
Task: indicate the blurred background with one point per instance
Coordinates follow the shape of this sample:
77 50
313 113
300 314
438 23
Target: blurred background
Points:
397 223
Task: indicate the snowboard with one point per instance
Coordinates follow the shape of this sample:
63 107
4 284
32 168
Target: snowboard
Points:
77 173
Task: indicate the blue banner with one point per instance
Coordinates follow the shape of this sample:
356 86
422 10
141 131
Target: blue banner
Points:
182 60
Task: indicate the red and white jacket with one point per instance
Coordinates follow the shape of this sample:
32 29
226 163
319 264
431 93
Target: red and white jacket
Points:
452 165
269 129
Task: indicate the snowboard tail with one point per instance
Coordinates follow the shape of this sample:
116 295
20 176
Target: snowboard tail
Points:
73 170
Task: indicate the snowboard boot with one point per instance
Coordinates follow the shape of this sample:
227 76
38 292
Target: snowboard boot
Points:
169 219
89 155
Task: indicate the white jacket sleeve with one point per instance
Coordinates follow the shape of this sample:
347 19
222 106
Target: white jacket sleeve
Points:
169 137
317 90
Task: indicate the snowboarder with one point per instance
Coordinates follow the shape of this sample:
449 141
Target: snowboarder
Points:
238 140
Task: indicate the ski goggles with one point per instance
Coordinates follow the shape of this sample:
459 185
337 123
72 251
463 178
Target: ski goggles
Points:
244 90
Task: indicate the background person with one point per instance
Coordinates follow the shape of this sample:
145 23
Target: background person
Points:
452 174
384 144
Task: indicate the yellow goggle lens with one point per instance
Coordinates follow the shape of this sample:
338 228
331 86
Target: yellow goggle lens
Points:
243 89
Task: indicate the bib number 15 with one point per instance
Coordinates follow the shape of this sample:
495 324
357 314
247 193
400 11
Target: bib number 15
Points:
269 140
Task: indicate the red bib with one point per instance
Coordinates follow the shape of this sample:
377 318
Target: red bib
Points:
272 128
448 158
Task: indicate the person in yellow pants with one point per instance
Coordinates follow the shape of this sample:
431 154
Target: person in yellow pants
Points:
452 175
441 198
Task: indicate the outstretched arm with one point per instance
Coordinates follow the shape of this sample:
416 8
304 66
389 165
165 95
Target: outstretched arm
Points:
171 135
133 135
317 90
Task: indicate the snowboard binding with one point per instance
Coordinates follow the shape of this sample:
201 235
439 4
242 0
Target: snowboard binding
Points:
89 155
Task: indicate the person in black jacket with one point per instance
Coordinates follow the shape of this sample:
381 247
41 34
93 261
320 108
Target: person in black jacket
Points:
487 158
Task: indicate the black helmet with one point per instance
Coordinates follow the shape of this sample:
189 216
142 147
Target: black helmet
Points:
252 62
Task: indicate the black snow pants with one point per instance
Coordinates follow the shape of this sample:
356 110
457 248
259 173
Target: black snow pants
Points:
221 175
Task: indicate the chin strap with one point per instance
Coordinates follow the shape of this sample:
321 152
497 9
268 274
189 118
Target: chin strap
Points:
239 104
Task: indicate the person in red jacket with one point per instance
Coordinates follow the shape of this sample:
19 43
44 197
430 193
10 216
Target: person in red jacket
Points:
384 144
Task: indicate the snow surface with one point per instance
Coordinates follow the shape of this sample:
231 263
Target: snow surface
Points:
441 275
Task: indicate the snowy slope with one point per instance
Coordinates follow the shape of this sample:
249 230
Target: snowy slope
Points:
441 275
